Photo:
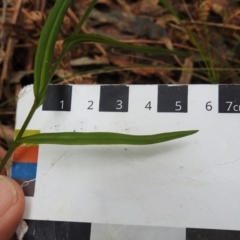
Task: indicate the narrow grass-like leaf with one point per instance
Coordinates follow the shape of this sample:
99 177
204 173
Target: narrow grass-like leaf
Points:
8 101
85 16
76 31
101 138
68 78
71 42
192 36
43 58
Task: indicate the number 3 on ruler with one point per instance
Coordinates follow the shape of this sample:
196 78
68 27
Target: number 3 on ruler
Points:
119 104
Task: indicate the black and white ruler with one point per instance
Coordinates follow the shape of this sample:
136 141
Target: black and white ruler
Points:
117 192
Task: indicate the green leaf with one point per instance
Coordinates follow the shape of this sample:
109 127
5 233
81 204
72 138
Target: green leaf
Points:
85 16
101 138
71 42
44 54
76 31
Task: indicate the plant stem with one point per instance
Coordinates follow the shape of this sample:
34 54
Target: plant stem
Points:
7 156
27 120
23 128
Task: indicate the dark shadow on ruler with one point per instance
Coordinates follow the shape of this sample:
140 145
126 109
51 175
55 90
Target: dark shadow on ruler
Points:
127 152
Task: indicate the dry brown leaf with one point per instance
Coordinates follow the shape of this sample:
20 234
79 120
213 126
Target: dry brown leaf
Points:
234 18
149 7
8 165
83 61
2 55
220 7
121 62
163 21
17 76
169 46
2 152
6 132
187 71
223 3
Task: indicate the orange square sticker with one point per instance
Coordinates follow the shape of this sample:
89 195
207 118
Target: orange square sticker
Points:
27 154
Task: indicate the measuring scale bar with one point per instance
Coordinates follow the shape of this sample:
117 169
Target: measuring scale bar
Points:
192 182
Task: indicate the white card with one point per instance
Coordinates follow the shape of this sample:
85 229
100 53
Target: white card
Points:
188 182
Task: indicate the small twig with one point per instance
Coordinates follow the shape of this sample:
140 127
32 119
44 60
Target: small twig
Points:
43 5
3 21
29 62
220 25
8 113
124 5
10 9
25 45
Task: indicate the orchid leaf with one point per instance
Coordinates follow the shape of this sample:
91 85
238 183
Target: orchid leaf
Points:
44 54
101 138
71 42
85 16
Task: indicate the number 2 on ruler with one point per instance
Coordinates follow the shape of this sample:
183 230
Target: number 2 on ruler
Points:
90 106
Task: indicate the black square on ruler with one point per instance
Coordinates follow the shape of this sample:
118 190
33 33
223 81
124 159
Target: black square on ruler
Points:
211 234
229 99
49 230
114 98
172 98
58 98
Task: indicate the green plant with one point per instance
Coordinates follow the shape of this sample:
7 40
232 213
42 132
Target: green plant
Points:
44 70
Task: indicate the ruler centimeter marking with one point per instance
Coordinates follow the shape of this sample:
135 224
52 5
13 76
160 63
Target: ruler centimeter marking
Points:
229 99
59 230
58 98
115 98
